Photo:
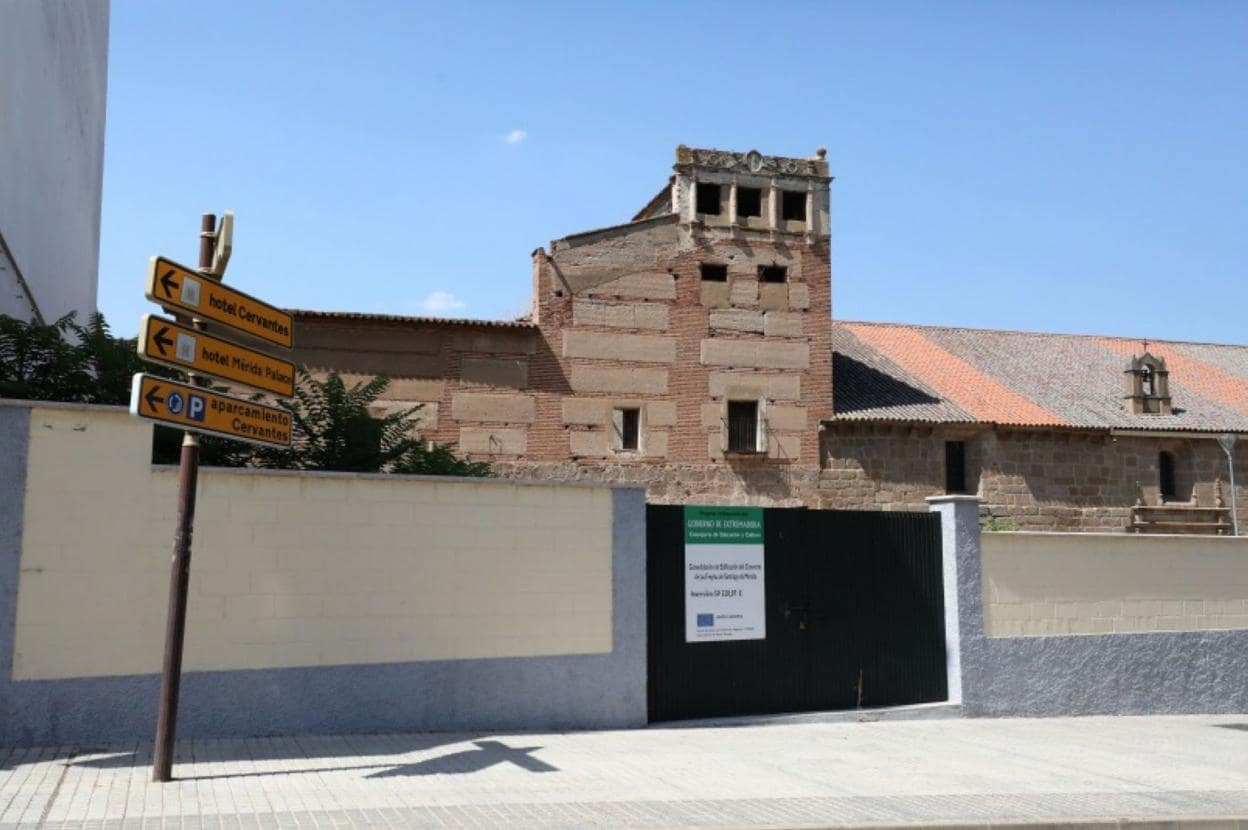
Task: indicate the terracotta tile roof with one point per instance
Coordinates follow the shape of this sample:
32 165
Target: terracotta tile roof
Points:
1201 377
897 372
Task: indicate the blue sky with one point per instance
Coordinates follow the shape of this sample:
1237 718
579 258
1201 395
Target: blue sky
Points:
1074 167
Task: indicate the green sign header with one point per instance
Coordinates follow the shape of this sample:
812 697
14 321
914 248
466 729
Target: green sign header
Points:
723 525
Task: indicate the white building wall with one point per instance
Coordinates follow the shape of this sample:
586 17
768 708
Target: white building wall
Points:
53 80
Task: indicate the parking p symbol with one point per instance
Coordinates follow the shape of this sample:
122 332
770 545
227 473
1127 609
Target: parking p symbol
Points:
195 411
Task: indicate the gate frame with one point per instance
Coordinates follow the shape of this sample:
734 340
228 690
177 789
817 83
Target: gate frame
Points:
959 528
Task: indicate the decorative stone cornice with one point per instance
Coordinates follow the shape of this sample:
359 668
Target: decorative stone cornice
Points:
752 162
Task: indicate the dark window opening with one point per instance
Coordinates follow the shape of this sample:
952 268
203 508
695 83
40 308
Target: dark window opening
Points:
793 206
955 467
714 273
708 199
1165 474
749 201
629 421
742 426
773 273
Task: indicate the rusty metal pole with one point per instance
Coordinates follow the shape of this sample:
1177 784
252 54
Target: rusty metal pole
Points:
179 571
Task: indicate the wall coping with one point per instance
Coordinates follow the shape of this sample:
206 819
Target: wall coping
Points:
1123 537
952 498
338 474
21 403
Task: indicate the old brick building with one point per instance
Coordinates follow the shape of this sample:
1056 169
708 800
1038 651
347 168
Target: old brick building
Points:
693 348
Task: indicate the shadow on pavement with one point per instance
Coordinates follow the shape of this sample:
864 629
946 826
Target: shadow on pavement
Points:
1242 727
487 754
298 750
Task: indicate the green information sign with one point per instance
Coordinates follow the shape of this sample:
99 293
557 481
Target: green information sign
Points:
723 525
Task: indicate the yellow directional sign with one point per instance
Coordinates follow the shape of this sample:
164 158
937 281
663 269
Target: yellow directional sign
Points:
193 408
186 348
178 288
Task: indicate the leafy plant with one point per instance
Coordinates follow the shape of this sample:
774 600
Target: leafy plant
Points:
68 361
333 427
996 524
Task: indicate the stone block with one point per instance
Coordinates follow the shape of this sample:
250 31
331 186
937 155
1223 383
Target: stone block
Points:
715 294
612 379
743 292
753 385
773 296
713 415
470 406
799 295
495 371
633 348
589 411
715 446
655 444
661 414
409 389
483 441
755 354
594 443
345 359
498 341
737 319
786 447
647 285
424 419
782 324
786 418
620 315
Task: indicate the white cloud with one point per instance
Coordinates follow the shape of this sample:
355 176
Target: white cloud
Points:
441 303
516 136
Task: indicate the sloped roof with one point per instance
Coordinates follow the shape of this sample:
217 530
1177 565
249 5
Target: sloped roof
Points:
347 316
895 372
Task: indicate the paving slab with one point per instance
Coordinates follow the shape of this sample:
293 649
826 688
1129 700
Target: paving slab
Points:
1187 771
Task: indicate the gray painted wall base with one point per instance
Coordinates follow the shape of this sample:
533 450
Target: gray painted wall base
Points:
1193 672
530 693
1111 674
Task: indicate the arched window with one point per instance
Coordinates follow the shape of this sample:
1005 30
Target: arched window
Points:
1165 474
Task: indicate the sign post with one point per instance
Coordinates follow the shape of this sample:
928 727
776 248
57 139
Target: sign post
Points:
179 572
197 298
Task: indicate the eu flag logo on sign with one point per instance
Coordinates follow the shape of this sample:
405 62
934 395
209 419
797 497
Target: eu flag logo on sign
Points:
706 620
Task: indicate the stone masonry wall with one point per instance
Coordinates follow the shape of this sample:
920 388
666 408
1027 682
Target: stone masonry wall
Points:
1031 479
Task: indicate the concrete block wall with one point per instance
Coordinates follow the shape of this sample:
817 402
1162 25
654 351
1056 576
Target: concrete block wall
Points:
424 587
1038 584
1159 663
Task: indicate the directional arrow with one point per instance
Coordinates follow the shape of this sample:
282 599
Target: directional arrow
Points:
161 340
182 290
167 282
199 410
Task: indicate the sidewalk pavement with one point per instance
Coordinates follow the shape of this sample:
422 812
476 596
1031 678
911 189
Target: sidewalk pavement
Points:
890 773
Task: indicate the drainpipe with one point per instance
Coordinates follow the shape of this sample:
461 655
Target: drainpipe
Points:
1228 446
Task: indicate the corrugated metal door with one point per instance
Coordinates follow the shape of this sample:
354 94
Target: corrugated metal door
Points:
854 611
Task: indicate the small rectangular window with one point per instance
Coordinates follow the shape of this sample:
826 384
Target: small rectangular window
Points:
628 429
714 273
793 206
708 198
955 467
773 273
743 426
749 201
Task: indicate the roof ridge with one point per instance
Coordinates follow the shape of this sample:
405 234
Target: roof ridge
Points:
1039 333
